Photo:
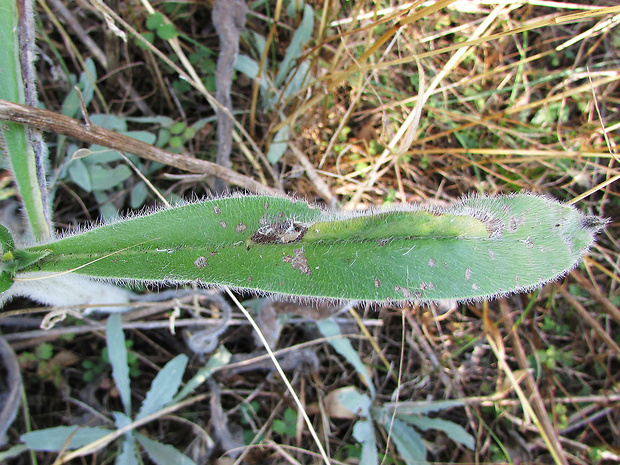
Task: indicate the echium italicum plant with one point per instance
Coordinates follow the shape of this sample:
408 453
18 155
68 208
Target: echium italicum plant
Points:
477 248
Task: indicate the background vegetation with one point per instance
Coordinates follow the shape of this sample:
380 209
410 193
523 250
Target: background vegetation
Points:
358 104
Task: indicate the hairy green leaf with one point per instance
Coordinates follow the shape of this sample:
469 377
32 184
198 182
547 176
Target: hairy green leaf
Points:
480 247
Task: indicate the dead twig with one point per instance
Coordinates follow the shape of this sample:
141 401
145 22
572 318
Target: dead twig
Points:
60 124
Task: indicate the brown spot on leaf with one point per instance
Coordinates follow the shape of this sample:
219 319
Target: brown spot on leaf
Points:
495 227
298 261
200 262
240 227
515 223
280 232
217 210
223 224
427 286
406 292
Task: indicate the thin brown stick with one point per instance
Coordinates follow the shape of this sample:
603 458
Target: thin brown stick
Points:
54 122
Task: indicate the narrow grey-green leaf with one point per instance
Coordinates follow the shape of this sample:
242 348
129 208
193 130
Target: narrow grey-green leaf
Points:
217 360
138 195
330 329
356 402
164 386
104 177
128 446
101 155
143 136
109 121
163 454
408 442
117 353
12 452
278 145
416 408
364 433
55 439
79 174
121 420
302 35
128 454
454 431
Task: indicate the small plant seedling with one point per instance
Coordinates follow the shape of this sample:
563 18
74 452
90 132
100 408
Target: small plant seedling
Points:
479 247
164 393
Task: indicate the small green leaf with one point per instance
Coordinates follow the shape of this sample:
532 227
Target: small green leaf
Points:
330 329
356 402
154 21
55 439
128 455
78 173
117 353
6 281
167 31
288 426
454 431
110 121
104 178
6 240
24 258
138 195
302 35
13 452
163 454
121 420
44 351
218 359
177 128
408 442
143 136
278 145
164 386
364 433
149 37
417 408
175 142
